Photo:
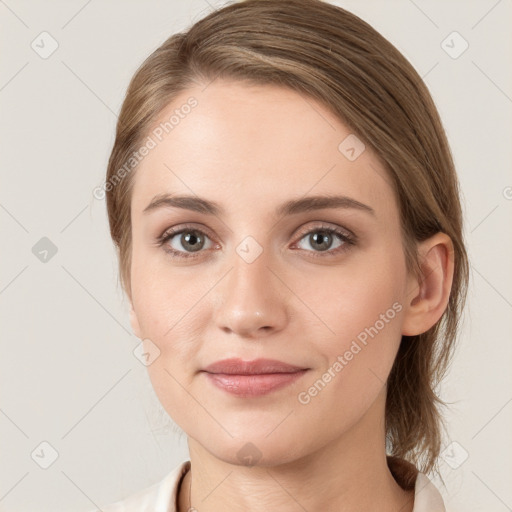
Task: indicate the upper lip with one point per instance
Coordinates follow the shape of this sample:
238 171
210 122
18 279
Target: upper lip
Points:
236 366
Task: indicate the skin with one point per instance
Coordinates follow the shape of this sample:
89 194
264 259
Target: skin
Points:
251 148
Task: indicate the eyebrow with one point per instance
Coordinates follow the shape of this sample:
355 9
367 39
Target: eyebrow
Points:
291 207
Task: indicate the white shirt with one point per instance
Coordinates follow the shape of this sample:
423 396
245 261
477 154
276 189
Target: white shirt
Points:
162 496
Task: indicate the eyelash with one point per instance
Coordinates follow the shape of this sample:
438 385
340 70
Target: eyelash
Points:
349 240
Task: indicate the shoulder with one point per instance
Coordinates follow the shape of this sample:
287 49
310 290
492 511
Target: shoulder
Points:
427 497
159 497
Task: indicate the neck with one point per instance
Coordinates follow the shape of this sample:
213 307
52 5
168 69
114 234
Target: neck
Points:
349 473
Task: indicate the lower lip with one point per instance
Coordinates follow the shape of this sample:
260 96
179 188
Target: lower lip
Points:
253 385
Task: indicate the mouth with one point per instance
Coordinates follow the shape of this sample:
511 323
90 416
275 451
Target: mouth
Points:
236 366
252 378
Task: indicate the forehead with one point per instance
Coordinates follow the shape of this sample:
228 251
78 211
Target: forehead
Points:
256 146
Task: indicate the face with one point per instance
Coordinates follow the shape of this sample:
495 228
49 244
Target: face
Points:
264 276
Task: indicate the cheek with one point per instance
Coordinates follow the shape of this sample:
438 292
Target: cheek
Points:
365 312
170 310
363 309
168 318
160 296
354 295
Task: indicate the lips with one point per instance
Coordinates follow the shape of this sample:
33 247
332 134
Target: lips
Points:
252 378
236 366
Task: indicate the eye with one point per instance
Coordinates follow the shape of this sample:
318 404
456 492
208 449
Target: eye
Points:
322 238
190 240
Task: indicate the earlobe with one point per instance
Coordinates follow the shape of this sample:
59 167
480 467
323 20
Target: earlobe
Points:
428 297
134 322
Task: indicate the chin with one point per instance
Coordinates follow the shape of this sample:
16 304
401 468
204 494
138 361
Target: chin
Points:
256 450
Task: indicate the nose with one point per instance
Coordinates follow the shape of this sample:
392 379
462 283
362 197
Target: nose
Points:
251 300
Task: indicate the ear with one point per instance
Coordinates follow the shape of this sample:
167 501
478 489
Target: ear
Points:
427 297
134 321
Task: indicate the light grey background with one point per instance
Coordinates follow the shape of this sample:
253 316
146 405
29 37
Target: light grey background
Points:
69 377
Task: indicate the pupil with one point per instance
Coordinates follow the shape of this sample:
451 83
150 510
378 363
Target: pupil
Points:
322 240
192 240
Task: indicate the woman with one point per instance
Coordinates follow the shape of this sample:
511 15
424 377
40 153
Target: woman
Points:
287 216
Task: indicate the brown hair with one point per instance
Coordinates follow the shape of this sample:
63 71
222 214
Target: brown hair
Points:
331 55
